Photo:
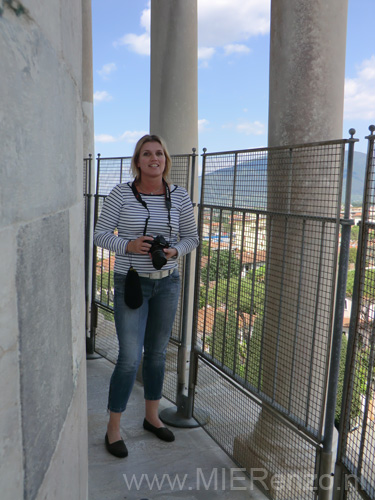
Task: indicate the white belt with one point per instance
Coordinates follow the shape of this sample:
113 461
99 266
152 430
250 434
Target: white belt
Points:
158 275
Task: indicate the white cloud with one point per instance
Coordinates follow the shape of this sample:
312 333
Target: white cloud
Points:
205 52
223 22
236 48
227 126
130 136
367 72
105 138
146 18
220 23
106 70
102 96
202 125
359 92
251 128
140 44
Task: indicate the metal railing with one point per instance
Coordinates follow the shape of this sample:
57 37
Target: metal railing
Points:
269 299
356 470
88 177
265 300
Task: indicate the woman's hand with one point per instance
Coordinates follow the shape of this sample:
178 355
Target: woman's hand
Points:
141 245
170 252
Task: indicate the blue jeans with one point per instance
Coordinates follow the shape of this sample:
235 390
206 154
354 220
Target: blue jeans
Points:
149 328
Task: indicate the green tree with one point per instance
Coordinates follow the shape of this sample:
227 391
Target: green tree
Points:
205 247
202 296
223 338
237 300
354 233
360 381
368 287
340 384
104 288
238 297
254 350
221 265
350 283
352 255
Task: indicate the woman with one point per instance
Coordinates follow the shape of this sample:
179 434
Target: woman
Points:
142 210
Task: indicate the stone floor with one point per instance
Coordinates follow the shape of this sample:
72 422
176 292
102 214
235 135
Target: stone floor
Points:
193 467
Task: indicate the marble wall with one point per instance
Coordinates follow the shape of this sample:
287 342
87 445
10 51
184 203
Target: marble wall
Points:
44 134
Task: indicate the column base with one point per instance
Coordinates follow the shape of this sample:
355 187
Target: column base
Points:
278 460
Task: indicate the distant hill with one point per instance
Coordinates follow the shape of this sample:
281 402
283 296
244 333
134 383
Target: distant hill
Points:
251 183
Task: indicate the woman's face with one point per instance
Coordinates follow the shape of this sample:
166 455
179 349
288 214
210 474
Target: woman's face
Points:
151 160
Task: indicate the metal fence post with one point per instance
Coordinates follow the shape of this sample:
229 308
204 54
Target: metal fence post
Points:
352 349
182 414
88 227
327 456
90 340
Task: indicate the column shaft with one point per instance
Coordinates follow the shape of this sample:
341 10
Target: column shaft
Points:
307 70
174 88
307 63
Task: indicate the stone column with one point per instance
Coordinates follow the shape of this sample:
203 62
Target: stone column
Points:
87 81
174 87
307 63
307 71
174 116
88 148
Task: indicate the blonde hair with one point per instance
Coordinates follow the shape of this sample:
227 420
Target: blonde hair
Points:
137 150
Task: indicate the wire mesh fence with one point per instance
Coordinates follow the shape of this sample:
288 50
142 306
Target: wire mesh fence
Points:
265 298
357 431
234 420
269 221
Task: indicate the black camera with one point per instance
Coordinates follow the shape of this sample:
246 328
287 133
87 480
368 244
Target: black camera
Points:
156 250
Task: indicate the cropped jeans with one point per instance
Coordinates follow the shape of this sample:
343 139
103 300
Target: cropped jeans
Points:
147 328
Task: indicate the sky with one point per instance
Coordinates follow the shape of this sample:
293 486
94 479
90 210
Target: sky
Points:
233 73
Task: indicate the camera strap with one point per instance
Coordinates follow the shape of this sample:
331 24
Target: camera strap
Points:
168 204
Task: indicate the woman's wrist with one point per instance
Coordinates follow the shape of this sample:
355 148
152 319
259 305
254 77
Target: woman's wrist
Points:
170 252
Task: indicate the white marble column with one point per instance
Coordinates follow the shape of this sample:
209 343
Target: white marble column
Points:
307 70
88 146
87 80
307 63
174 116
174 87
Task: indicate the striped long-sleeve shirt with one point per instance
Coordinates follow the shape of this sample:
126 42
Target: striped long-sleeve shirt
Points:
123 212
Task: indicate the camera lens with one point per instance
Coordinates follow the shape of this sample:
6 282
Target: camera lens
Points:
156 250
158 259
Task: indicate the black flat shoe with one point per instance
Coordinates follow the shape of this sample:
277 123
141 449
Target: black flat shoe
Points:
117 449
160 432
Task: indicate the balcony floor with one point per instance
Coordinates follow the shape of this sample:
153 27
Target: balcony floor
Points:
194 463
